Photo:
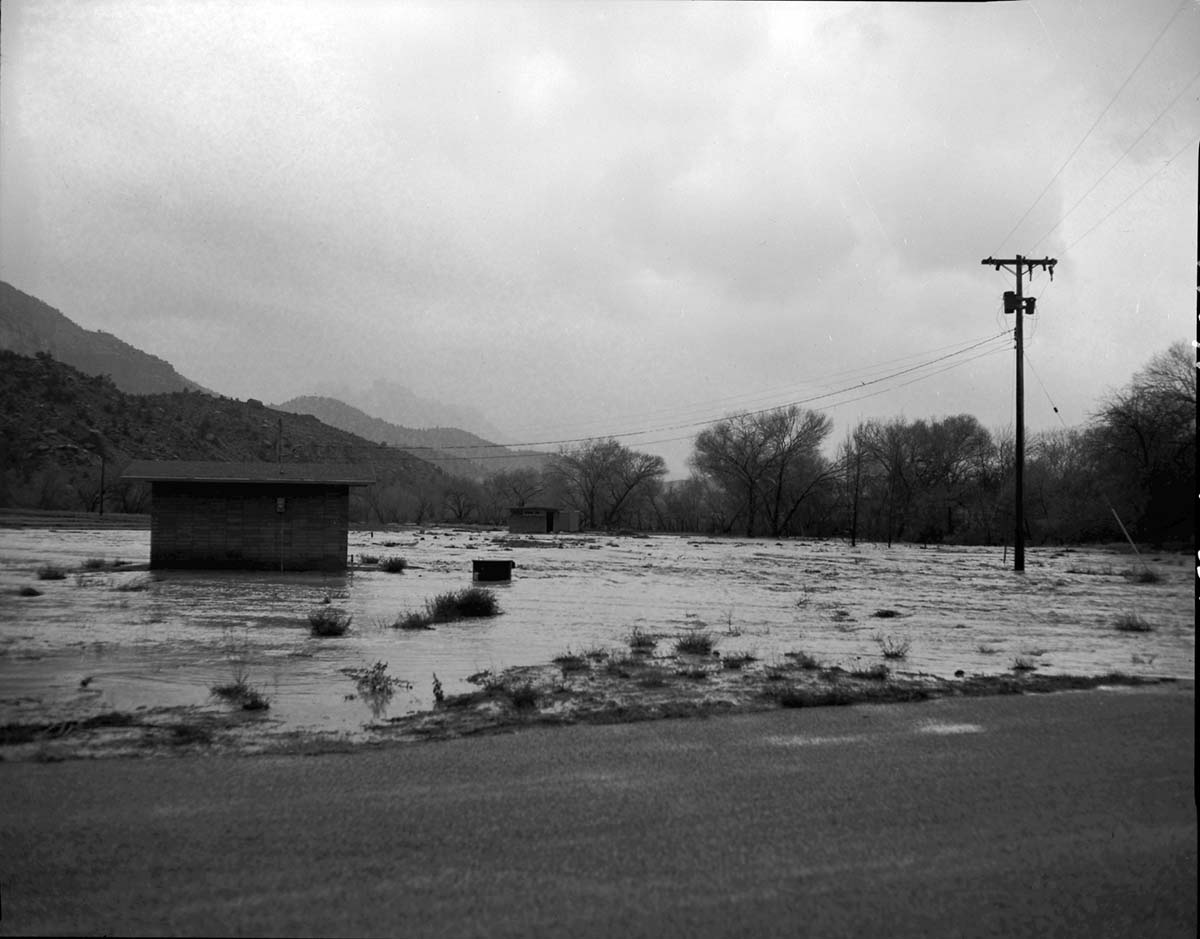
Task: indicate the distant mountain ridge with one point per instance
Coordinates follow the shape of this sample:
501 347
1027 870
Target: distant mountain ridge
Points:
56 423
456 451
29 326
401 406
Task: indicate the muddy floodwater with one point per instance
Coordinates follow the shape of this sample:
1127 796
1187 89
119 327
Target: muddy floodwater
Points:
115 640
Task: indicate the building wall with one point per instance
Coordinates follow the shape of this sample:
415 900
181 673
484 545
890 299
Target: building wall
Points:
535 520
237 525
528 521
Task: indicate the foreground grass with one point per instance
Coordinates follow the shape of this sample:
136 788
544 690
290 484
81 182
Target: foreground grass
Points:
618 687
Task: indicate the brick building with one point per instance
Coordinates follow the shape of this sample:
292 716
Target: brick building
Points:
257 516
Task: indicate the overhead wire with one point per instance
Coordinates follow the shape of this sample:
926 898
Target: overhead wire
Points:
1096 123
979 347
788 392
1103 176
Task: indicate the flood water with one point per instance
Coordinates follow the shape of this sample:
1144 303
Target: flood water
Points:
86 645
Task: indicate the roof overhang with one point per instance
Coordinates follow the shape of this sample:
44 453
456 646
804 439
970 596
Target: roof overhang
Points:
311 474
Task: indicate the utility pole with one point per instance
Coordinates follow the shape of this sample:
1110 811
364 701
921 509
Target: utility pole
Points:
1016 302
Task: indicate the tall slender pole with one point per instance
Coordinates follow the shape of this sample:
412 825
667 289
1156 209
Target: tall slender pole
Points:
1019 496
1016 303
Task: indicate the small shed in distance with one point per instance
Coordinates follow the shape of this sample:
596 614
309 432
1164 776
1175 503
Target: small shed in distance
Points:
255 516
540 519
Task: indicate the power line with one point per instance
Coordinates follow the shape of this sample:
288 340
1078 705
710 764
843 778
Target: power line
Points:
1148 180
734 402
1119 159
1162 32
795 403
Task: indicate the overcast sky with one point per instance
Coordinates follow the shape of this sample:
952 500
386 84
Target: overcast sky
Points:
607 218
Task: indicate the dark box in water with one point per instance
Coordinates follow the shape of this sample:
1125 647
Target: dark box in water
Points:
493 570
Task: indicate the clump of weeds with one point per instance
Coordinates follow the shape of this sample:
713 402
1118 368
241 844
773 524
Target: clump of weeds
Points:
1023 663
735 661
51 572
985 649
623 666
27 591
878 672
804 660
376 686
470 603
94 564
1132 623
375 679
641 641
885 614
697 642
523 696
325 621
893 647
393 565
239 691
412 620
653 678
697 673
569 662
368 560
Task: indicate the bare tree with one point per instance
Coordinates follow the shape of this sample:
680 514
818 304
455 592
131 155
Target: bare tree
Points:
769 462
603 479
1145 440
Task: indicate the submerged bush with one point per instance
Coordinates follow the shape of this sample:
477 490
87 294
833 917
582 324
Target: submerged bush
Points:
570 662
469 603
326 621
894 647
1132 623
241 692
696 643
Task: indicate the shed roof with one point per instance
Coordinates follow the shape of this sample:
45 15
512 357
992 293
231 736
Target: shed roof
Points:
335 474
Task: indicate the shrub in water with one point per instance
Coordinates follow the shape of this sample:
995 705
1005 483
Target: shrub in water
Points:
326 621
696 643
240 691
570 663
1132 623
894 647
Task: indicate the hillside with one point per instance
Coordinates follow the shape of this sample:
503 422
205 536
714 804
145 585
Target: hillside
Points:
455 451
55 421
29 326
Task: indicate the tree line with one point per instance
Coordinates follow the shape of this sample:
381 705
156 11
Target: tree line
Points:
776 473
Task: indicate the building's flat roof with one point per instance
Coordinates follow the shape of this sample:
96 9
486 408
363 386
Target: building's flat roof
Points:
335 474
